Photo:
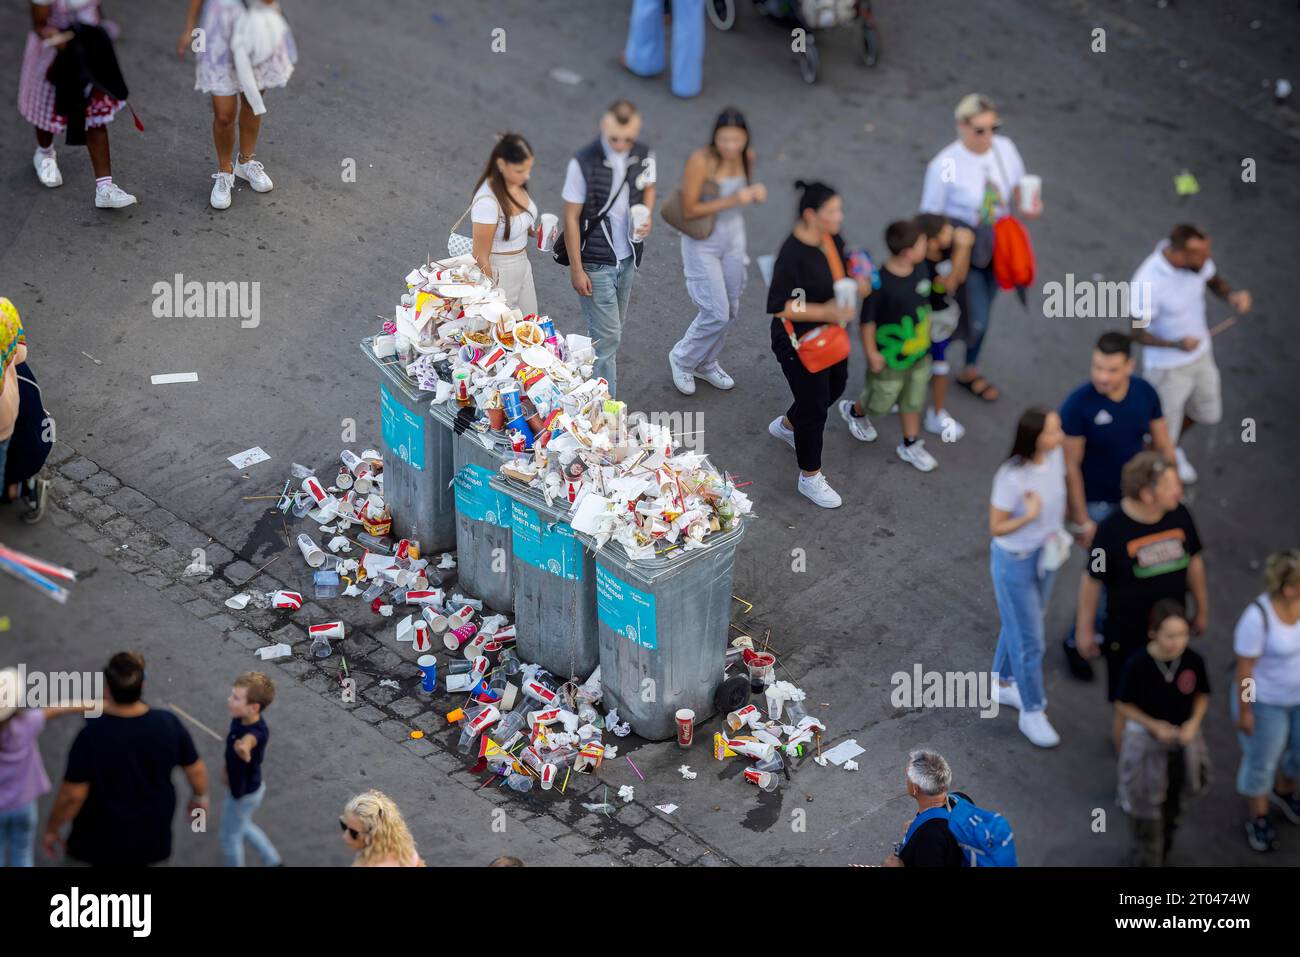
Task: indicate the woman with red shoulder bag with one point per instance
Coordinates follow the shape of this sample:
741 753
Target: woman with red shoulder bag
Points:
808 331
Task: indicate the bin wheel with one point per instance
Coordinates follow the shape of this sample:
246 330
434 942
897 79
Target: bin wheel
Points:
732 694
808 61
722 13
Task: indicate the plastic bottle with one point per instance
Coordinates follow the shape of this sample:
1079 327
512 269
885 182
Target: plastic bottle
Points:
374 544
522 783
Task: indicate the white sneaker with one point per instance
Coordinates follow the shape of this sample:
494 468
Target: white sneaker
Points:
916 455
1007 696
220 198
255 173
815 488
944 425
683 380
717 377
1035 726
777 428
47 169
1185 470
860 426
112 196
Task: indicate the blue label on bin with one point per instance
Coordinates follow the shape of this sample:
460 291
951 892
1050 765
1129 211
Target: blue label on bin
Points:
477 499
403 430
550 546
625 609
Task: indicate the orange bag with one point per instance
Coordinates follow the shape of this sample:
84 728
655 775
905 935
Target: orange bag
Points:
1013 254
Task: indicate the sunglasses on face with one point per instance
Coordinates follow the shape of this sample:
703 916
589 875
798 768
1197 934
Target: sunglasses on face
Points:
352 832
984 130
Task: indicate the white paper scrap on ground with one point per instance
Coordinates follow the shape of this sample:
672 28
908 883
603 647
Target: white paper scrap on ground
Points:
850 765
687 773
626 792
339 544
389 683
448 560
249 457
167 378
666 808
843 751
272 652
561 75
238 602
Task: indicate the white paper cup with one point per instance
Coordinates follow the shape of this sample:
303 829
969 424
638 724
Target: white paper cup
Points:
385 347
311 551
640 214
1031 189
547 229
846 292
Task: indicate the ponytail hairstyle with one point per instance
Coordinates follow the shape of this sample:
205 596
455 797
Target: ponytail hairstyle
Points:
510 148
813 195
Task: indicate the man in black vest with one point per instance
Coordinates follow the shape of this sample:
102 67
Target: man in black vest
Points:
607 183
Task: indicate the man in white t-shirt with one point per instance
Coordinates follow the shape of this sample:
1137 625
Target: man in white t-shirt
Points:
606 180
1169 301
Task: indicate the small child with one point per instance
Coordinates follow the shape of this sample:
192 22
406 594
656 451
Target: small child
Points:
896 337
252 693
944 242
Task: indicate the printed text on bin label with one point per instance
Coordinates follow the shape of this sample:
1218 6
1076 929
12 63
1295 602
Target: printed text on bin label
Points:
624 609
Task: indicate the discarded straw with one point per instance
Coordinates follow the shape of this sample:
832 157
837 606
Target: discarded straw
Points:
635 768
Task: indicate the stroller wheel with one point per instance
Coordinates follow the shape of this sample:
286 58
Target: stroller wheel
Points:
809 62
870 44
722 13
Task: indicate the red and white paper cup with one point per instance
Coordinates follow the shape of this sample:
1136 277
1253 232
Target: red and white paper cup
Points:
685 718
426 597
549 772
420 637
286 599
328 629
489 715
766 780
747 716
311 485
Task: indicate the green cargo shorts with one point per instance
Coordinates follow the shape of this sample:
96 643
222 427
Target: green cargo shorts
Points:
907 387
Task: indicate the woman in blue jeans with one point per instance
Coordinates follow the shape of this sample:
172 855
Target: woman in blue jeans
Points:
1027 522
1266 704
22 774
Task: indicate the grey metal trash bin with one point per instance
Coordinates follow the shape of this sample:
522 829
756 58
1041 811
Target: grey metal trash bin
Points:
555 585
483 518
418 459
663 631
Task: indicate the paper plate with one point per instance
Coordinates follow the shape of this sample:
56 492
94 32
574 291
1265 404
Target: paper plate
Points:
455 290
538 357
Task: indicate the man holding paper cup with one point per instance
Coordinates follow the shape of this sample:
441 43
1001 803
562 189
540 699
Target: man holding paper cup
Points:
609 195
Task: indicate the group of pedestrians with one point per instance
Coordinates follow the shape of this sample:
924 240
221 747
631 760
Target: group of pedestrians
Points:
71 83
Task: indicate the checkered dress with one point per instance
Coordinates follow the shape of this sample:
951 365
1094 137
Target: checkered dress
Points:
36 93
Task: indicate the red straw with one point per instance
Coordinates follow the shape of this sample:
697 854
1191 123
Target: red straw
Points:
635 768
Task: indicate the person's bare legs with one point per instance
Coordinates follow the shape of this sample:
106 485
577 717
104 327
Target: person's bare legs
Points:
911 424
939 385
250 124
97 146
223 130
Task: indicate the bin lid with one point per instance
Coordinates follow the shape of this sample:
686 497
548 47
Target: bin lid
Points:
557 511
393 373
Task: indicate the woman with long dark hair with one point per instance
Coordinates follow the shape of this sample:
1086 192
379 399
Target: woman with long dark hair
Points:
715 265
1027 522
802 294
504 216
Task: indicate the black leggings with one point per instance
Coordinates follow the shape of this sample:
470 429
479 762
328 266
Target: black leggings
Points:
814 393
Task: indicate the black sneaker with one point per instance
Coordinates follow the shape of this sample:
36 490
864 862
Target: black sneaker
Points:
1260 835
34 493
1080 667
1288 804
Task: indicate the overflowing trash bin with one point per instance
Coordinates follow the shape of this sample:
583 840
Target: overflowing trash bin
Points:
663 626
418 458
483 514
555 585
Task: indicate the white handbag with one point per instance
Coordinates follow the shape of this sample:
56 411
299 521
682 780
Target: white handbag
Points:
458 245
1055 552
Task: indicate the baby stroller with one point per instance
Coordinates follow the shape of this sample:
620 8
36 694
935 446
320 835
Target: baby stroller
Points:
809 15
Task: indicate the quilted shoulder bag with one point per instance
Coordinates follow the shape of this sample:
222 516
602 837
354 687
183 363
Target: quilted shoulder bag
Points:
828 343
458 245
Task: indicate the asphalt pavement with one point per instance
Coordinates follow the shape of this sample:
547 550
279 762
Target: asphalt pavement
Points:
412 98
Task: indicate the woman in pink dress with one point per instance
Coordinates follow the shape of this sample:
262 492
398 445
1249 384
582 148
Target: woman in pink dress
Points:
225 26
36 100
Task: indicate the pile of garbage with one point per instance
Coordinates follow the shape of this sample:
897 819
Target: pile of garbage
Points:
624 478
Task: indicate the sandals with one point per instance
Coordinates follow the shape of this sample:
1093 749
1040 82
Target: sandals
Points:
980 387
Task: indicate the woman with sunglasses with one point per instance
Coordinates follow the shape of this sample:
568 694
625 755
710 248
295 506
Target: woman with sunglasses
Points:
975 181
373 827
715 265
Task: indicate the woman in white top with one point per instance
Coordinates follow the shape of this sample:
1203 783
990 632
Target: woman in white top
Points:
504 216
975 181
1027 520
1267 702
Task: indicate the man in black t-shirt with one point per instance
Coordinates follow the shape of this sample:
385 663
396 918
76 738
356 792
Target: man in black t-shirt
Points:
928 841
1148 549
117 790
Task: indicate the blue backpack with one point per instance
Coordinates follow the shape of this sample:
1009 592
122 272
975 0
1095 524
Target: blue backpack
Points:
985 837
